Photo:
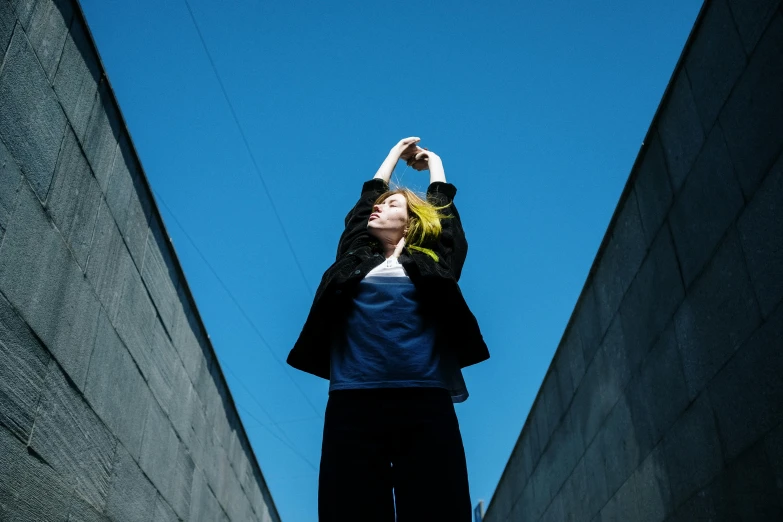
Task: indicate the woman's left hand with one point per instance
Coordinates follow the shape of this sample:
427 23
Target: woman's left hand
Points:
422 159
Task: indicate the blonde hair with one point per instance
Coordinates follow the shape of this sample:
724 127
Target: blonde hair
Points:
423 220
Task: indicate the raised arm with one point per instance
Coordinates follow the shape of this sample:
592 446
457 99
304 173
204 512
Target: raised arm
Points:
356 220
452 247
404 149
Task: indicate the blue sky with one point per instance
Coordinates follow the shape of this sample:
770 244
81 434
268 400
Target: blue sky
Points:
538 110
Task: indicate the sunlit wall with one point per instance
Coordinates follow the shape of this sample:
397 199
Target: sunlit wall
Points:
112 404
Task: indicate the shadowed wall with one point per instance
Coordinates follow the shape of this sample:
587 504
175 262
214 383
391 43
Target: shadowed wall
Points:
112 404
664 400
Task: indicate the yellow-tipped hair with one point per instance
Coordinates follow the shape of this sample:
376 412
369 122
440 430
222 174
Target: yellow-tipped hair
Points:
423 220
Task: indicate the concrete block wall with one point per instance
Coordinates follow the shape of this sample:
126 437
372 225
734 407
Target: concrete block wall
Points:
112 403
664 400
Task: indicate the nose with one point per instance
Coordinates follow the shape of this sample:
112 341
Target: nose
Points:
376 208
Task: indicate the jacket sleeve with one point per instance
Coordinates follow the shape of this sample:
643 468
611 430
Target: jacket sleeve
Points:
356 220
452 247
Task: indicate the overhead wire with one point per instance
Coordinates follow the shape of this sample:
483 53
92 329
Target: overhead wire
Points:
234 300
261 406
288 443
290 446
256 168
260 176
287 238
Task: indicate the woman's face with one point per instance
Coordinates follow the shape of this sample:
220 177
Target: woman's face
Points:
389 218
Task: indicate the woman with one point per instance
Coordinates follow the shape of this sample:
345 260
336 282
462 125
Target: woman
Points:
391 331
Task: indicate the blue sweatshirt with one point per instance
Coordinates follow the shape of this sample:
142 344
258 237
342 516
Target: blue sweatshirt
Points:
386 341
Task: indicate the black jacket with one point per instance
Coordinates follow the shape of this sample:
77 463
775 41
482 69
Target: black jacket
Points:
436 282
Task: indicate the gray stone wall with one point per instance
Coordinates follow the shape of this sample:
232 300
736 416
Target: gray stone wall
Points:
112 403
664 400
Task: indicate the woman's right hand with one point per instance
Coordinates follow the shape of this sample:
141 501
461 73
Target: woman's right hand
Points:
406 148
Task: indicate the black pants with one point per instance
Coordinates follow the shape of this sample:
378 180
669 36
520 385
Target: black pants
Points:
405 439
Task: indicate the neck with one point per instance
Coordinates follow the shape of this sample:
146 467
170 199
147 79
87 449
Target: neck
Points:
387 245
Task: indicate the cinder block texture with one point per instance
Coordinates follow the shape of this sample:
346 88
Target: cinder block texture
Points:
677 416
40 277
620 260
652 299
708 203
100 139
548 408
165 460
72 439
159 274
595 472
7 22
116 390
745 490
761 234
773 443
82 511
24 11
574 495
10 182
128 200
747 394
32 124
752 486
590 331
653 189
621 450
189 339
111 401
717 316
714 62
137 222
570 366
136 318
23 364
164 513
36 492
74 198
204 505
680 129
76 81
47 31
109 262
645 496
603 383
658 395
752 17
692 450
752 119
131 495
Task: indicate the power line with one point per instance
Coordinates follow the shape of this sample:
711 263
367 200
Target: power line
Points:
296 452
285 235
266 412
247 146
239 307
288 443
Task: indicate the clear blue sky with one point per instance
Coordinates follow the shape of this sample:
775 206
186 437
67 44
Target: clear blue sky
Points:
538 110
